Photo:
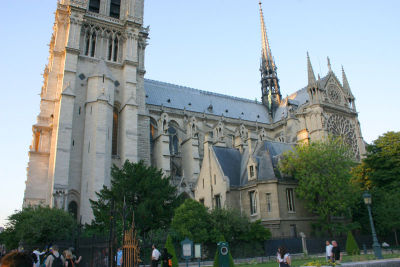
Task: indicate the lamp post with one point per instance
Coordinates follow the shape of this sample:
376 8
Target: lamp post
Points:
375 245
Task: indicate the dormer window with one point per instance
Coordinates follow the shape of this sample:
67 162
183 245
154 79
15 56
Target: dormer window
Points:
252 170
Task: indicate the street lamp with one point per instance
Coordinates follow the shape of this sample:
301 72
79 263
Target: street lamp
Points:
375 245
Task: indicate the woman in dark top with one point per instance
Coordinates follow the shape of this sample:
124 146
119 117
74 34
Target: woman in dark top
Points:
165 257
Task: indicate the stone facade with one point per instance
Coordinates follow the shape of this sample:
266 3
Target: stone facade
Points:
97 110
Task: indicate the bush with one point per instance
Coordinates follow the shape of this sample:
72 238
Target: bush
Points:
351 245
169 245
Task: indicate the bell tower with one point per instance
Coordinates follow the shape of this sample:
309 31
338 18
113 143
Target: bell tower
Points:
92 103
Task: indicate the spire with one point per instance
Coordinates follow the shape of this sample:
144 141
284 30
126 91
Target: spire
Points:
271 95
346 85
266 50
329 64
311 76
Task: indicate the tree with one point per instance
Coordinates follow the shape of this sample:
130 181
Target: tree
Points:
351 245
382 162
169 245
193 221
379 172
144 190
322 170
37 226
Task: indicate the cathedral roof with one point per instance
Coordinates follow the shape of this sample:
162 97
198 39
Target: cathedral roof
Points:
180 97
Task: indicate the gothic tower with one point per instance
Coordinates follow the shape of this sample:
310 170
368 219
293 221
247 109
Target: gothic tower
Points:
92 103
271 94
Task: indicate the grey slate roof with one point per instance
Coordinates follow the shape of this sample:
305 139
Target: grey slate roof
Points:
180 97
234 164
229 159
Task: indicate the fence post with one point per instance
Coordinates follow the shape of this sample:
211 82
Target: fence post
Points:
91 263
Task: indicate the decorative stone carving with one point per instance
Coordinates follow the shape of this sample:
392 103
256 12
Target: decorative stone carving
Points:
334 94
338 125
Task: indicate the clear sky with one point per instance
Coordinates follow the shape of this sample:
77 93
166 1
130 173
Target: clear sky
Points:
213 45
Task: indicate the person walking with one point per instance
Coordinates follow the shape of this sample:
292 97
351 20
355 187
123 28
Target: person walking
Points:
37 255
119 256
166 258
336 256
283 257
55 259
328 250
155 256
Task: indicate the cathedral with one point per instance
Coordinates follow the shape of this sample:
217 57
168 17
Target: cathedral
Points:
97 109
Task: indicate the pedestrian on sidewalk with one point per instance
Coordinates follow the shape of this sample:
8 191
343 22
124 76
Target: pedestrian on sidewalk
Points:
328 250
283 257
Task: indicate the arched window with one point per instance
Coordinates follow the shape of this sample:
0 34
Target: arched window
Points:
93 45
153 132
73 209
115 57
173 140
114 149
115 7
110 44
87 43
94 6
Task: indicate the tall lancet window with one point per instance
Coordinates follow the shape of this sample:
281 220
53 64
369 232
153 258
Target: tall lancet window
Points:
115 7
110 45
93 45
115 57
94 6
87 43
114 149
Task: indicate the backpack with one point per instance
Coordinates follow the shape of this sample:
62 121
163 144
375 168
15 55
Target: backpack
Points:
57 262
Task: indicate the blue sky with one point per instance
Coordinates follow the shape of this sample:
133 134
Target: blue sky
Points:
213 45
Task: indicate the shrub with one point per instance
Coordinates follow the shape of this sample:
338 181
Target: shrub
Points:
351 245
169 245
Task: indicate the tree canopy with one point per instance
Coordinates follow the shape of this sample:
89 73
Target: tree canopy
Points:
379 172
38 226
194 221
322 170
144 190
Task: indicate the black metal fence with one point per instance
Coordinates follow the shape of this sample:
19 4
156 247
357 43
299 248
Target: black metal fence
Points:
95 250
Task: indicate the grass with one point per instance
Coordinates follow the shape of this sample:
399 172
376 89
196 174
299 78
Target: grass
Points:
301 262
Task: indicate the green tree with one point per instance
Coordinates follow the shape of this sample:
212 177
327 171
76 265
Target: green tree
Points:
382 162
351 245
144 190
230 224
193 221
38 226
322 170
379 173
169 245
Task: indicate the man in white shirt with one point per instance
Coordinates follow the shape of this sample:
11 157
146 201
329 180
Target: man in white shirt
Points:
328 250
155 256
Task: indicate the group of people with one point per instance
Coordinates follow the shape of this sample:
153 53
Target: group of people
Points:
156 256
48 258
333 253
